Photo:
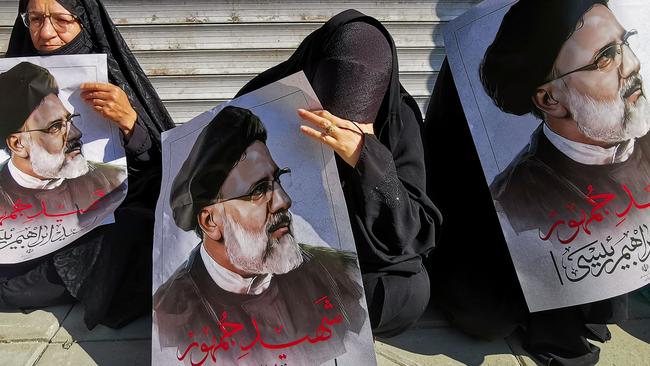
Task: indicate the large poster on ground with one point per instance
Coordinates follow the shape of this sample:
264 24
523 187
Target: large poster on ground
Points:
554 94
254 258
62 165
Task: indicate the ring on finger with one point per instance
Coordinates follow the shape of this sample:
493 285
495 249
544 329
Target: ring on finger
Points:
330 128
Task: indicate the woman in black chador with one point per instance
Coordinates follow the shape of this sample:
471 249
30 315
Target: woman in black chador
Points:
109 269
482 295
351 63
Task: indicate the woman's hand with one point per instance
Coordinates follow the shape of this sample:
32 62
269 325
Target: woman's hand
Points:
111 101
343 136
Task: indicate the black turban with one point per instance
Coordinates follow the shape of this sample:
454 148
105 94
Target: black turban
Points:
524 50
217 150
22 88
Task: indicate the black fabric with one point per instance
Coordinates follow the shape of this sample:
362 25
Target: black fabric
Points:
356 50
395 301
123 68
540 166
72 193
115 264
190 301
525 48
109 269
23 88
215 153
393 221
39 285
483 296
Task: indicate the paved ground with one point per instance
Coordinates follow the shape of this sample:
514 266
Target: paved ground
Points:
57 336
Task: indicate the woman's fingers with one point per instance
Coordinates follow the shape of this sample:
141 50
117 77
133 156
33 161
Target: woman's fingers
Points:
96 87
339 122
341 135
319 136
97 95
112 102
98 102
316 119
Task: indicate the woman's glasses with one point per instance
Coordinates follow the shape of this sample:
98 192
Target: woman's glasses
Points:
60 21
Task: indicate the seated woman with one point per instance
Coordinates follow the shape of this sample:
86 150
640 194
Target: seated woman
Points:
109 269
351 63
483 297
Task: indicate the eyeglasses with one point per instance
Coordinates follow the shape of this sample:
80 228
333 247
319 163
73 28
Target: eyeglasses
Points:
55 128
60 21
605 59
262 192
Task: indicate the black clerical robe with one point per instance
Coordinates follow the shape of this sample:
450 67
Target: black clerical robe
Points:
55 217
92 188
542 185
320 299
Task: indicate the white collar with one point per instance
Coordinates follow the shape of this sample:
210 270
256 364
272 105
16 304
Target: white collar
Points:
231 281
27 181
590 154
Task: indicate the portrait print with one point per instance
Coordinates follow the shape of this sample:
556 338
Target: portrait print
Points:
556 101
254 259
57 182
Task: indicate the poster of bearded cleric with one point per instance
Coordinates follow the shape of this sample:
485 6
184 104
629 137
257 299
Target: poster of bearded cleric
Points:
254 258
62 165
554 95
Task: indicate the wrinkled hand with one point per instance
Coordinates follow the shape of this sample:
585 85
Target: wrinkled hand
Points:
111 102
343 136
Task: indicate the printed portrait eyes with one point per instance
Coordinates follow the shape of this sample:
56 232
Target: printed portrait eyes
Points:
55 127
613 53
607 56
261 189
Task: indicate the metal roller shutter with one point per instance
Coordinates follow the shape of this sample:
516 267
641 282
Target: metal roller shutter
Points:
199 53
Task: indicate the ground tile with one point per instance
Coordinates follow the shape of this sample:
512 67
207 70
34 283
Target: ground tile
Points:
106 353
73 328
442 346
21 353
629 345
35 326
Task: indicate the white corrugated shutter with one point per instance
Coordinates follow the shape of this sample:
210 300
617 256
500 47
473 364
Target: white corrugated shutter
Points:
199 53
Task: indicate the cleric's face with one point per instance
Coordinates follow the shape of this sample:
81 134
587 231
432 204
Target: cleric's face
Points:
257 228
55 148
608 104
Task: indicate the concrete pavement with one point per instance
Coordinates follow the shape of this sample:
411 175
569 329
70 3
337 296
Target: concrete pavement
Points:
57 336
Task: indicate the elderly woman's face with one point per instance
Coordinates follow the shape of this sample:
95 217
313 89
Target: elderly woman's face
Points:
50 25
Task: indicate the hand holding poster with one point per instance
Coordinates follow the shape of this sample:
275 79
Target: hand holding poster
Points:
63 172
553 92
254 259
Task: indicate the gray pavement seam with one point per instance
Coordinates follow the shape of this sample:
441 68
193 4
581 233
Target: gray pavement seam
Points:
512 350
112 340
28 340
49 341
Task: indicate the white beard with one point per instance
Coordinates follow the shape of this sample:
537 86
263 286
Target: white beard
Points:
53 166
247 250
609 121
